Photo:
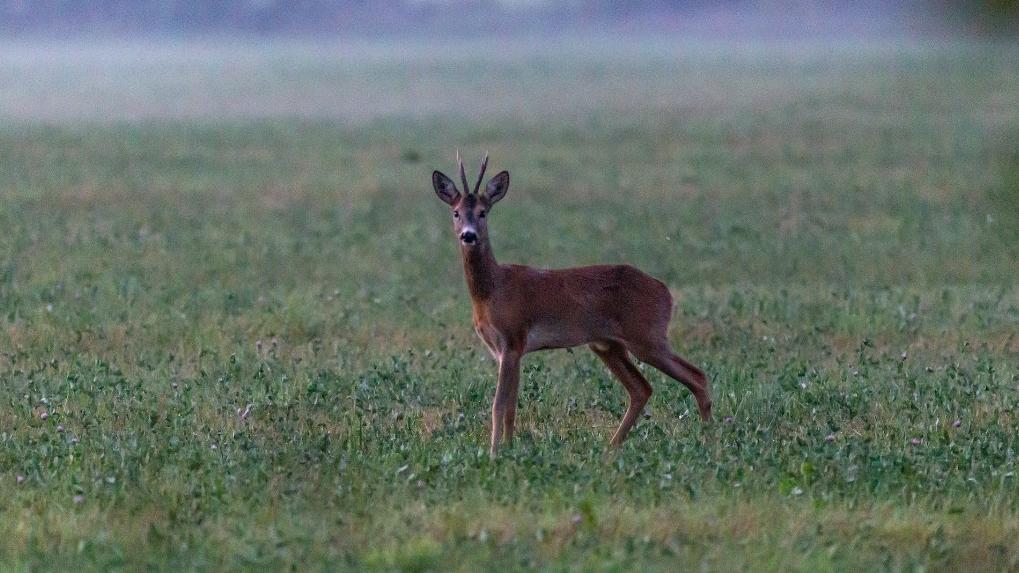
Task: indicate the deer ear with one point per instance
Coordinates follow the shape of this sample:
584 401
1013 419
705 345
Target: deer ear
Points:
445 188
497 187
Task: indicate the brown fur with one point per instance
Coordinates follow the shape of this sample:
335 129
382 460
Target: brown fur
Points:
615 309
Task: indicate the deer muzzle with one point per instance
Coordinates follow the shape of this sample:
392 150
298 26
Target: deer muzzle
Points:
468 237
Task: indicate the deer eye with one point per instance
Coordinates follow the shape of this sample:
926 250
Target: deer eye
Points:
481 214
456 214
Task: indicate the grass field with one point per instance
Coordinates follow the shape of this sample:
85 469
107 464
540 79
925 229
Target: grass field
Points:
235 332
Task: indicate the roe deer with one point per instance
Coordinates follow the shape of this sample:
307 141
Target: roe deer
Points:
615 309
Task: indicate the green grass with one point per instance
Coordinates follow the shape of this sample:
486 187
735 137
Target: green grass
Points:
840 230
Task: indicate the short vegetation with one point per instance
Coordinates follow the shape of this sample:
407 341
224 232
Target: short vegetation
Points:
234 331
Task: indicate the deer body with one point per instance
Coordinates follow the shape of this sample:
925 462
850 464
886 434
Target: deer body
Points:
535 309
615 309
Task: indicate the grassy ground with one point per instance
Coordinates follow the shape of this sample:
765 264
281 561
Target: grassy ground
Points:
840 228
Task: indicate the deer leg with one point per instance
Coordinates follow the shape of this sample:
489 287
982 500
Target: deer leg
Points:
661 357
510 419
509 378
614 356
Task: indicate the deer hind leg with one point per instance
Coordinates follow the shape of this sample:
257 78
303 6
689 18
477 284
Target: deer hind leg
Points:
661 356
613 354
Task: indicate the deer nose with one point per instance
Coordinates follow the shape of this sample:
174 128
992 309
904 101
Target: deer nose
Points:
469 237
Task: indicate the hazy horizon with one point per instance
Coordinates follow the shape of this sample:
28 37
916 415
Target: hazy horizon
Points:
482 19
356 81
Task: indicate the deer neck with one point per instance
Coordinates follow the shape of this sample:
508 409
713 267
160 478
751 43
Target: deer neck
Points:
480 269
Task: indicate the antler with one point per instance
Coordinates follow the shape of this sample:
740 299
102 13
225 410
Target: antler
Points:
463 174
484 165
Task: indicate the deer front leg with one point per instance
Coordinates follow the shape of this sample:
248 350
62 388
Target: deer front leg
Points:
510 416
504 404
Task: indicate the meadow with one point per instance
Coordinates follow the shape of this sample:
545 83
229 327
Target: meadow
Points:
235 332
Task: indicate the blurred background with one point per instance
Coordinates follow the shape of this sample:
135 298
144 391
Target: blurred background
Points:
781 19
121 59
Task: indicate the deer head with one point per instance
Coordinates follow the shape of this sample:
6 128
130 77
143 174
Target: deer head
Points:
470 208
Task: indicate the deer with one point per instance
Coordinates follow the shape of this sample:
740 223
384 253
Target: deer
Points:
616 310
